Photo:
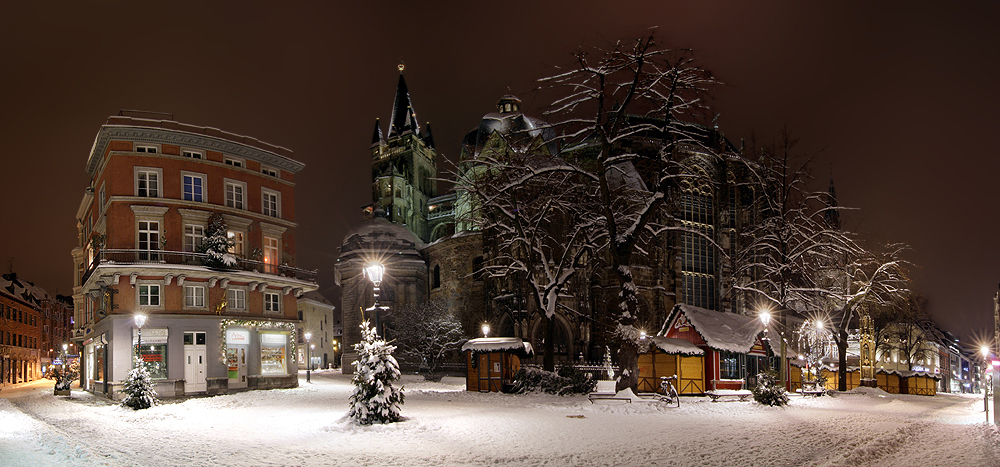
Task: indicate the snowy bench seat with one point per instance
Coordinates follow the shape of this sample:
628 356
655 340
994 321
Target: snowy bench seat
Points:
605 390
812 392
716 394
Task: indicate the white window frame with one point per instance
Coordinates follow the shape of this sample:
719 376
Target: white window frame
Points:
235 162
275 211
272 302
243 194
101 197
270 171
152 245
193 154
236 296
192 296
204 186
272 253
148 148
147 171
149 287
238 237
192 238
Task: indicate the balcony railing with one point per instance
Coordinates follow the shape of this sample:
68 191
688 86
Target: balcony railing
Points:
132 257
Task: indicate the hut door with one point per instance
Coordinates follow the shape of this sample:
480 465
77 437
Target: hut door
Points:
484 372
490 372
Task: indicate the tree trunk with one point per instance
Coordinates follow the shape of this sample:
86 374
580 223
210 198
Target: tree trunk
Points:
628 364
549 357
842 361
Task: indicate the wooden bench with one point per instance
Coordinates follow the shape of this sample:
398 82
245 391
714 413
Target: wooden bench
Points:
605 390
741 394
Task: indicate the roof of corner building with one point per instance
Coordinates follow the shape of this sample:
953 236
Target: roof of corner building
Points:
197 137
21 289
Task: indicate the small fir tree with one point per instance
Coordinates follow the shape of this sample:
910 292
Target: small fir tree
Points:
768 392
217 244
375 399
138 389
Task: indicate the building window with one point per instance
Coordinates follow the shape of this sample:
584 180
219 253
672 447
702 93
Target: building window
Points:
730 364
235 195
436 279
194 187
272 353
194 236
194 338
272 302
270 203
149 240
192 154
269 171
194 296
236 240
147 183
270 255
237 299
234 162
147 149
100 199
149 295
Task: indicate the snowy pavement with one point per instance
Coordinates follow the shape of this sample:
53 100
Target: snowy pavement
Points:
446 426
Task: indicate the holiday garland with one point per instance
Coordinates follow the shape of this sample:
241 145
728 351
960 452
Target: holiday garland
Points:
256 324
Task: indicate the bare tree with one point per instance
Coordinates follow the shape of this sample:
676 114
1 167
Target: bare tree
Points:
426 333
907 332
538 218
624 111
784 257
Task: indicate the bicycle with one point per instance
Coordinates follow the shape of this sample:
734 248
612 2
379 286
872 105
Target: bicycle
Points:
669 391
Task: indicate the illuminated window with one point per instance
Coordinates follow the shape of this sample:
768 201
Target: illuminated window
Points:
270 255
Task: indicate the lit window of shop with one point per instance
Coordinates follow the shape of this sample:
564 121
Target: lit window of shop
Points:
153 352
272 353
730 364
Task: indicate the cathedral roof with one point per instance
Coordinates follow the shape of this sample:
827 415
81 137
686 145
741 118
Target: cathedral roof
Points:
380 234
404 116
507 121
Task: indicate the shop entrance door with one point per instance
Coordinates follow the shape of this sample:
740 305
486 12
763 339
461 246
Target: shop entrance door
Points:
236 360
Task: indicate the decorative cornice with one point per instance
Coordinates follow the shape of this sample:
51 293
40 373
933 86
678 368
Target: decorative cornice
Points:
142 134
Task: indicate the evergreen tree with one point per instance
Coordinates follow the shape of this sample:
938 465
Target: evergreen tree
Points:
138 389
217 244
375 400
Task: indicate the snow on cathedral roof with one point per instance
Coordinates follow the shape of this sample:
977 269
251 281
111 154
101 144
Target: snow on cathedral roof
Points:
721 330
498 344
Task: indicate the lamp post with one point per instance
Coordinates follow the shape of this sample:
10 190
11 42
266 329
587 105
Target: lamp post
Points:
374 272
64 358
308 336
486 330
985 350
140 319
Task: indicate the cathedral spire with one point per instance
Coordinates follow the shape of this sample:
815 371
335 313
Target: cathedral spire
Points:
377 137
832 214
404 117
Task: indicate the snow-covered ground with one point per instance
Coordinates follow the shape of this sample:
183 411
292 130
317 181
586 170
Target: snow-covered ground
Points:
447 426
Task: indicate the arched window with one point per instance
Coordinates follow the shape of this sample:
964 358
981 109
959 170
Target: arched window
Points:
436 277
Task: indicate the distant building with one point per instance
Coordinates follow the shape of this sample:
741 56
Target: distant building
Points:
154 186
33 328
316 314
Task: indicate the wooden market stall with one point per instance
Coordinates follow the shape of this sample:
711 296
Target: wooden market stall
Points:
918 382
671 356
492 361
833 378
887 381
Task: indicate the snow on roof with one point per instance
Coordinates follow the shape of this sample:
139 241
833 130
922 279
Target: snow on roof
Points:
21 289
722 330
498 344
675 346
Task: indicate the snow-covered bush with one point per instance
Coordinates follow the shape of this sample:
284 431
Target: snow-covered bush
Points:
768 391
217 244
567 380
138 389
375 399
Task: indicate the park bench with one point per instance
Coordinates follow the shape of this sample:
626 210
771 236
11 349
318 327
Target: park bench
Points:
716 394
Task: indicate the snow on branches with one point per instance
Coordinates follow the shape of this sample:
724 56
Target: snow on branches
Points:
375 399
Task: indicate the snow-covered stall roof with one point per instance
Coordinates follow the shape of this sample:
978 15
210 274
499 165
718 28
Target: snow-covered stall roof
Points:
673 346
22 289
721 330
498 344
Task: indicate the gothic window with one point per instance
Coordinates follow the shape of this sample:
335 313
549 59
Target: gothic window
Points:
698 266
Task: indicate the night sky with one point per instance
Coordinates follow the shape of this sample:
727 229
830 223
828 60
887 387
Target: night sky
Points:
897 100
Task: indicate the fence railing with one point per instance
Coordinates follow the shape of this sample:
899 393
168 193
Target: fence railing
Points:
131 257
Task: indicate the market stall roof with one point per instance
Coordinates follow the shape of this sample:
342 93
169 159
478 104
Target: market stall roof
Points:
720 330
674 346
499 344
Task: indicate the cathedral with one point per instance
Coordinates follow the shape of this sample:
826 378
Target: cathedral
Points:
431 250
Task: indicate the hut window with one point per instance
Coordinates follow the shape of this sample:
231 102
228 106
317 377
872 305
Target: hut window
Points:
730 364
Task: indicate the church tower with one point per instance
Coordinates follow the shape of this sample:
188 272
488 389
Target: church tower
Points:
404 166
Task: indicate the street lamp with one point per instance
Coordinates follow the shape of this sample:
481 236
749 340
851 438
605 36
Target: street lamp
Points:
374 272
985 350
308 336
140 319
486 330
